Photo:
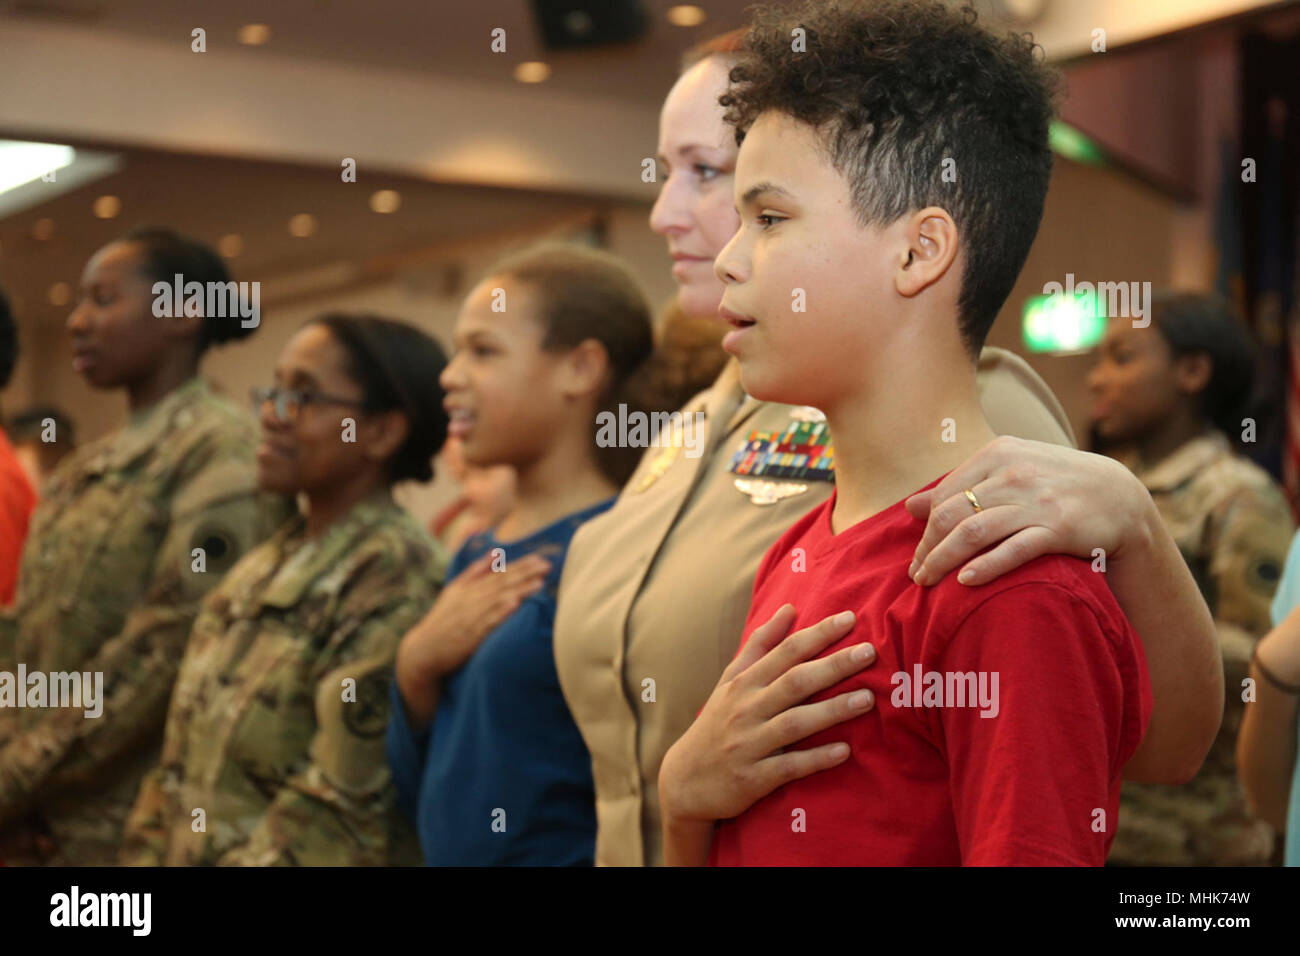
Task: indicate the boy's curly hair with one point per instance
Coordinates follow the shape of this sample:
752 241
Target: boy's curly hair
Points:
895 87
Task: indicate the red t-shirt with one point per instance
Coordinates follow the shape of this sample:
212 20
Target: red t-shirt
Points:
1034 783
17 499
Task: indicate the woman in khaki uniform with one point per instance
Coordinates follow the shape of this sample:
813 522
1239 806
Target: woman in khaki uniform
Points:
131 532
274 748
656 590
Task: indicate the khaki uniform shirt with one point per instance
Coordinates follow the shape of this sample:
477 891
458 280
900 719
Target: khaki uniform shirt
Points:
659 587
133 530
1233 526
274 751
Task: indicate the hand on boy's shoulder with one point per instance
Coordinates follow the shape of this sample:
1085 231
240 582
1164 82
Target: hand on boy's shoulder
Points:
1060 584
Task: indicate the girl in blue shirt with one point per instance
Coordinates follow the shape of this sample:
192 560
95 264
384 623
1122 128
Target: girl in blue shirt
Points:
1266 748
486 758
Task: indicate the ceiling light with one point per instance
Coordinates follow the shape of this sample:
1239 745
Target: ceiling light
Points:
302 225
686 15
106 207
385 200
254 34
60 294
532 71
24 162
231 246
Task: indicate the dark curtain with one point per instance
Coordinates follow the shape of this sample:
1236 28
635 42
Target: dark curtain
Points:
1269 211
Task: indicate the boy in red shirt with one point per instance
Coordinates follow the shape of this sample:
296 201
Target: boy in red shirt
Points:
891 178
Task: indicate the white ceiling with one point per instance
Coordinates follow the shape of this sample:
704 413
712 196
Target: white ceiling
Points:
442 37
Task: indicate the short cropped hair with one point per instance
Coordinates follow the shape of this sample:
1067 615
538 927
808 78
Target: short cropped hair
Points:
397 367
896 87
168 254
1195 324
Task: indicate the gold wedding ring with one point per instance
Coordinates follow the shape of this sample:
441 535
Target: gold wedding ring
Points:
974 503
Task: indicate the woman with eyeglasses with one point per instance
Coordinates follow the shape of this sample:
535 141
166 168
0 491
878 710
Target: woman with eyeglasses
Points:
132 531
274 746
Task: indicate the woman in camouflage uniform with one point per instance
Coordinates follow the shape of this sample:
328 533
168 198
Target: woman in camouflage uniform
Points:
274 748
1177 393
132 531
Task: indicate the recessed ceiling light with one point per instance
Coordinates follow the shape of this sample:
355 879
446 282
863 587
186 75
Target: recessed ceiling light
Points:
230 246
254 34
22 162
106 207
43 229
385 200
532 71
60 294
686 15
302 225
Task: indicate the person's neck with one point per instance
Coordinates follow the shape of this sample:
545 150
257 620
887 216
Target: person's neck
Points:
1158 445
893 435
564 480
164 380
328 505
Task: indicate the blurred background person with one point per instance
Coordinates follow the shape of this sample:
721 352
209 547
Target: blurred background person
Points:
486 495
276 728
1177 392
128 537
42 437
488 760
17 494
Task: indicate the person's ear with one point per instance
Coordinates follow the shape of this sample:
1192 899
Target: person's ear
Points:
928 250
585 369
384 434
1192 373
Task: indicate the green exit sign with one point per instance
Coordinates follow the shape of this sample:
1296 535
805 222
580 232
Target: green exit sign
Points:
1063 323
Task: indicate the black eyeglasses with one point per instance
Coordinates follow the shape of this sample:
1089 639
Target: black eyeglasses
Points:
288 401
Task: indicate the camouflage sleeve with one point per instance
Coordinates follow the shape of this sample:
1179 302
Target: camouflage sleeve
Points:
139 665
144 841
336 810
1251 536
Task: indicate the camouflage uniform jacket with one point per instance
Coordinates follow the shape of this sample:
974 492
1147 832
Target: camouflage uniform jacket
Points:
1233 526
274 751
133 530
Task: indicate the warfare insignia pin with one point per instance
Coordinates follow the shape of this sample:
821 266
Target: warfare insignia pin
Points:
769 492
